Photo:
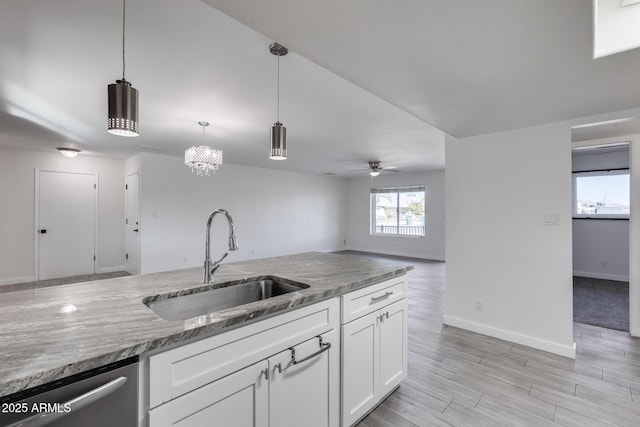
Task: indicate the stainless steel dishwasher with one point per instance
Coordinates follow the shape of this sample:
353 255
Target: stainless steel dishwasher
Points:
101 397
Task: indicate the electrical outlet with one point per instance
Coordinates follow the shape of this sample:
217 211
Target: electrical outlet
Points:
603 263
478 304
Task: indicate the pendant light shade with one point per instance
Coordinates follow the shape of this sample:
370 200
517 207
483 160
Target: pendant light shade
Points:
278 142
123 109
278 131
123 99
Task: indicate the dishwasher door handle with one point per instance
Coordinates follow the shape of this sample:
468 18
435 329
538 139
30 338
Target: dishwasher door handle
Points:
74 404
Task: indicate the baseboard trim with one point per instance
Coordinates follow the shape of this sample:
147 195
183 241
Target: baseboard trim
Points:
16 280
112 269
529 341
590 275
396 253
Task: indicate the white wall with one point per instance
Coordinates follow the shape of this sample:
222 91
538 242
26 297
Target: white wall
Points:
601 246
275 212
499 187
17 206
429 247
615 27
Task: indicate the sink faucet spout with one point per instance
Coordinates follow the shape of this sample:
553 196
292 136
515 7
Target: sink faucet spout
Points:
209 266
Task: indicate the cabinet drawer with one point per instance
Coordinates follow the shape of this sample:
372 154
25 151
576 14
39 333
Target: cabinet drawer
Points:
366 300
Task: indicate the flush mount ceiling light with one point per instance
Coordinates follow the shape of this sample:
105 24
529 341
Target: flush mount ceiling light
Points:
202 159
123 100
68 152
278 131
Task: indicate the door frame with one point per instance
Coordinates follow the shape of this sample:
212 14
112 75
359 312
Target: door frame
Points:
634 225
36 218
634 236
126 211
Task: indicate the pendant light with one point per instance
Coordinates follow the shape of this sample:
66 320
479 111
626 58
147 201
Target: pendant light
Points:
278 131
123 100
202 159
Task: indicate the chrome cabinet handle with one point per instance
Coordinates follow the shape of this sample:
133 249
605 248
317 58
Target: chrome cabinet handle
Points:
324 346
381 297
76 403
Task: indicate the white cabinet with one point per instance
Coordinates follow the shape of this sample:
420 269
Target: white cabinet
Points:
374 348
306 393
393 346
240 399
292 388
283 371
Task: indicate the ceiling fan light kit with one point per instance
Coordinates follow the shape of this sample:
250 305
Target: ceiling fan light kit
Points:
278 131
123 100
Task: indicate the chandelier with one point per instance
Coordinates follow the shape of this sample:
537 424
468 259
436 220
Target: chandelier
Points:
202 159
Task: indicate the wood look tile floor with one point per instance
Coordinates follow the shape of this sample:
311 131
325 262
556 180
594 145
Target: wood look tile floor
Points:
459 378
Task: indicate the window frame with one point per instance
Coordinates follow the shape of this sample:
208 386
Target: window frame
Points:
597 172
397 190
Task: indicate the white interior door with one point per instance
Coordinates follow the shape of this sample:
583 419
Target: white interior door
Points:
66 224
132 224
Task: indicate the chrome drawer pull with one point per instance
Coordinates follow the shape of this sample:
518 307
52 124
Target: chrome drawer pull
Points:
324 346
381 297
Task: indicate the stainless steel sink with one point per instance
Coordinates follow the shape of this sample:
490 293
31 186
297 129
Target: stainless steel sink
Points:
206 300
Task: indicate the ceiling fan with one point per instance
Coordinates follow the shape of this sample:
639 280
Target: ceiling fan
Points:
375 168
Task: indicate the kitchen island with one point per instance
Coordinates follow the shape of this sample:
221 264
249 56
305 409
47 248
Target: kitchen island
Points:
51 333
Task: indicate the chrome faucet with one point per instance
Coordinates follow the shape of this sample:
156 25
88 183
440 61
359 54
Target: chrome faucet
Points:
209 267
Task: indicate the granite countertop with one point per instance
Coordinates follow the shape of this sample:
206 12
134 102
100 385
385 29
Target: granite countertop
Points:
39 343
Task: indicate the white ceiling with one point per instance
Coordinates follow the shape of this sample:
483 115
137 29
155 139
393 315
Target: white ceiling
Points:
364 80
467 67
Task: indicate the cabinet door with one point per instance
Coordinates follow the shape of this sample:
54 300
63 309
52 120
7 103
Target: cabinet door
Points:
360 352
240 399
305 393
393 345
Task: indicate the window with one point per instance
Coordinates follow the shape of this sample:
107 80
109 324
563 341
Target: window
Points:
398 211
601 194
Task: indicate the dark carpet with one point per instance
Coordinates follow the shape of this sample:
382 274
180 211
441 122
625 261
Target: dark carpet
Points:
601 303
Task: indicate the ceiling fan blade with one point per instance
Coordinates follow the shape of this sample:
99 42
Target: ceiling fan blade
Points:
389 167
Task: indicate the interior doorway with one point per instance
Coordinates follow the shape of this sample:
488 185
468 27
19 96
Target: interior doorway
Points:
132 223
65 224
601 224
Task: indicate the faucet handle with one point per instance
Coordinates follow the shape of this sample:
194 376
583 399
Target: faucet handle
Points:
216 264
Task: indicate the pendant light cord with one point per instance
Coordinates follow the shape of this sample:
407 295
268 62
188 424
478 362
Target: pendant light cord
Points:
278 112
124 8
